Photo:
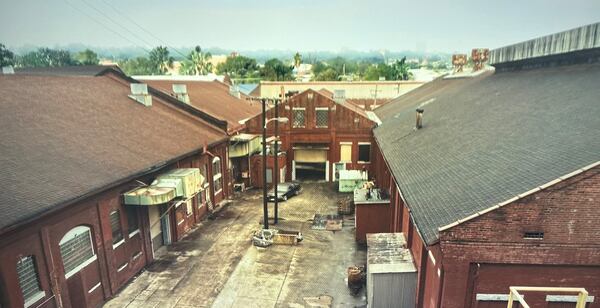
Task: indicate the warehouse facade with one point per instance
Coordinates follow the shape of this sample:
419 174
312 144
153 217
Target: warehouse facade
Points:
72 158
499 184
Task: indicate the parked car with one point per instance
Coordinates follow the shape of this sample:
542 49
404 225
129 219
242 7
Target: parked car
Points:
284 191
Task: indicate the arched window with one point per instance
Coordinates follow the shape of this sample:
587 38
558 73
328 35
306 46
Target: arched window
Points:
217 176
77 250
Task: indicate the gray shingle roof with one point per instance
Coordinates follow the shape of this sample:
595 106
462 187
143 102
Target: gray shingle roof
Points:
489 138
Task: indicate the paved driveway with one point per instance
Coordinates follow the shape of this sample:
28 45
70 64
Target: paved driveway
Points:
217 266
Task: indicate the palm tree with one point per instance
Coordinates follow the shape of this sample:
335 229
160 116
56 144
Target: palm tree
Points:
159 57
198 62
297 59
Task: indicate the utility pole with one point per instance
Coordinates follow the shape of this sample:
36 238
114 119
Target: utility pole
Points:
264 163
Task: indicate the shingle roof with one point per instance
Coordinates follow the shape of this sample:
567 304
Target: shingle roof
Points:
79 70
62 137
213 98
487 139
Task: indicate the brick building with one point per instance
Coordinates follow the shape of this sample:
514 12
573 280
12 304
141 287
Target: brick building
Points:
321 137
74 143
500 186
225 102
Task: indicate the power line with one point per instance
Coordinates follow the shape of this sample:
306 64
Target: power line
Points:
104 26
116 23
141 28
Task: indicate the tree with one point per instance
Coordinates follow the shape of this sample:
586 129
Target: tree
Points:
400 70
329 74
160 60
297 60
197 63
138 66
6 56
45 57
318 67
87 57
238 67
275 70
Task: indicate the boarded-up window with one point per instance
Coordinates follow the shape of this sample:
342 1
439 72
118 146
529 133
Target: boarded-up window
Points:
115 226
322 115
364 152
29 280
76 250
299 117
346 152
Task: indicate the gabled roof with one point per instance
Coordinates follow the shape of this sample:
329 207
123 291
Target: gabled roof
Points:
63 138
489 138
213 98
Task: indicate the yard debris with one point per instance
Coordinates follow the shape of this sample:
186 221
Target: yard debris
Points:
323 301
356 278
345 206
267 237
333 222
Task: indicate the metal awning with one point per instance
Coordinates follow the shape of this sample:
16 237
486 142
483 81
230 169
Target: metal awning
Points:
150 195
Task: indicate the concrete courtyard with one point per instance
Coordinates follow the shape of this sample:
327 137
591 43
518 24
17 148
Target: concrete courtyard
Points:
216 265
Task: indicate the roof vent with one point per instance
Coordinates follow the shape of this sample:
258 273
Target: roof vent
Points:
234 90
419 123
181 93
139 92
8 70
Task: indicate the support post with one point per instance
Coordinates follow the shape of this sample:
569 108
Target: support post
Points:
276 166
264 163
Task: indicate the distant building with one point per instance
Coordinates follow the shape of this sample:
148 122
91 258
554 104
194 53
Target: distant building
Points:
364 93
322 137
494 177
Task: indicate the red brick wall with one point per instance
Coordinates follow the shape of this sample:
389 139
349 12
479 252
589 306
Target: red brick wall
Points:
567 213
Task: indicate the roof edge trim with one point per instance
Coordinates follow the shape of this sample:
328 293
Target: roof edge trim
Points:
520 196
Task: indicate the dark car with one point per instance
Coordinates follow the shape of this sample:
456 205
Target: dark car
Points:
284 191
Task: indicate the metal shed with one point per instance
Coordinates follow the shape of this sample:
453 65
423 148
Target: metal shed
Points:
391 273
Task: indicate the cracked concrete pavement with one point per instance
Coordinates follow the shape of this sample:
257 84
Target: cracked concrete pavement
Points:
216 265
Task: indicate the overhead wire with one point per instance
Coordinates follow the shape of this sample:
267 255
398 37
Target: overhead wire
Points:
141 28
117 23
105 26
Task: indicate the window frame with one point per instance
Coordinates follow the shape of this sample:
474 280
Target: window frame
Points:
317 109
70 235
294 109
217 176
358 158
119 242
36 295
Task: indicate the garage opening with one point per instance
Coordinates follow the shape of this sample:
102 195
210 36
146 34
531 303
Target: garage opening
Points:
310 163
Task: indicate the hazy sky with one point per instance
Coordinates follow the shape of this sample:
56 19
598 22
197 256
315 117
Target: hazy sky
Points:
304 25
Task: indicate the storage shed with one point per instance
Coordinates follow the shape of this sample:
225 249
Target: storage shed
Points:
391 274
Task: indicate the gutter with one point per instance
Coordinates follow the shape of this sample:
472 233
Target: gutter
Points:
520 196
59 206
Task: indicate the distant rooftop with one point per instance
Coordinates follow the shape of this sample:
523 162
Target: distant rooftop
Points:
578 39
